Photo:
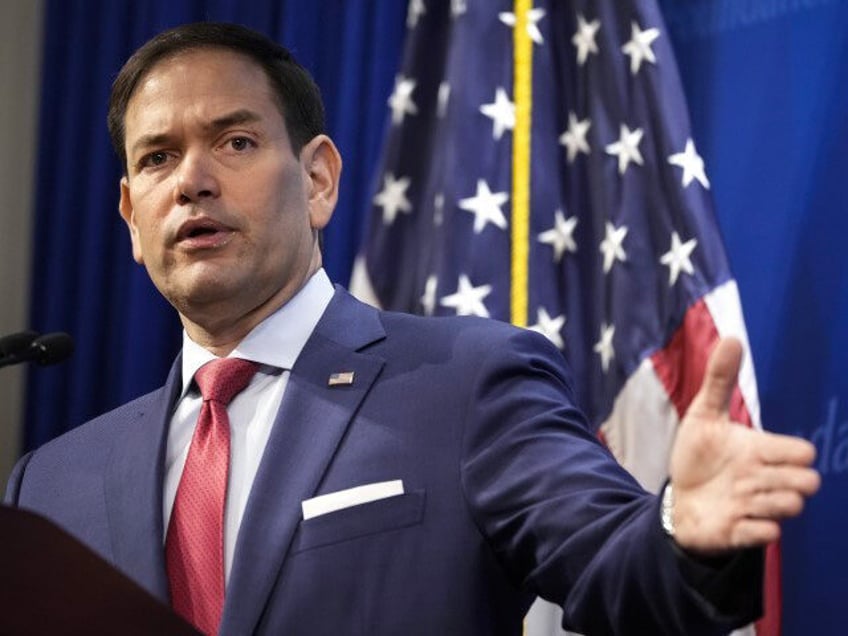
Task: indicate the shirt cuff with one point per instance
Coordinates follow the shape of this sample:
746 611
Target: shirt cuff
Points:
726 585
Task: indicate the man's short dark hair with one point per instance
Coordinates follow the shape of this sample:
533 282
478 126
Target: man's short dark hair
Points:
297 94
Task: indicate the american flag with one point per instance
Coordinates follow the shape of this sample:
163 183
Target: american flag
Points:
539 168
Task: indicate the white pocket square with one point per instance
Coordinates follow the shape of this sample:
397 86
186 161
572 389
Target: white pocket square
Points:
341 499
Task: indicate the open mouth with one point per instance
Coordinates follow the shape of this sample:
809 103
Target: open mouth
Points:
202 233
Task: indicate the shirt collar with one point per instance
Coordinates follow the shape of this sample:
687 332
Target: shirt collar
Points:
276 341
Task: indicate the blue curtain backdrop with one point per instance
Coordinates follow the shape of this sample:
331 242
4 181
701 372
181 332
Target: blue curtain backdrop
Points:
766 83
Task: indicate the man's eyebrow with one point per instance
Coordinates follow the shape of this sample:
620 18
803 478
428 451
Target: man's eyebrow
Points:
241 116
145 141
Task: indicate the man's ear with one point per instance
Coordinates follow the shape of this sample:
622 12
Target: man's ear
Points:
323 166
126 209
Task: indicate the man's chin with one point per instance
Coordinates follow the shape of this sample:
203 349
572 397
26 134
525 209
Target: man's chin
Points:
202 295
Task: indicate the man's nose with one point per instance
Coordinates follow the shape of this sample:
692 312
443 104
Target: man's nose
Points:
195 179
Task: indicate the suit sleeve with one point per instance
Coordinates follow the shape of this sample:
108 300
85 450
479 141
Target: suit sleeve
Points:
566 521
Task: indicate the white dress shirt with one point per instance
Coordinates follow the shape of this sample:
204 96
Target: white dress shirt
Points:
275 344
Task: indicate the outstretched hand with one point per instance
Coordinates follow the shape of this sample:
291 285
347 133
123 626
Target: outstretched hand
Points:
732 484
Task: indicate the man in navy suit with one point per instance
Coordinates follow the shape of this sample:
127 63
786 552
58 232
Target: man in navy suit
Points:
388 474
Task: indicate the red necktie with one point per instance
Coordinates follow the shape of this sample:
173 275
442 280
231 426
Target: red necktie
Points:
194 545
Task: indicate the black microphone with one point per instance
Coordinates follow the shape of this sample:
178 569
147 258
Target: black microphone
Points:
47 349
51 348
16 342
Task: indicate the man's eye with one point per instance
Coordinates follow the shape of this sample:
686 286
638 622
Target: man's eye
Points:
240 143
153 159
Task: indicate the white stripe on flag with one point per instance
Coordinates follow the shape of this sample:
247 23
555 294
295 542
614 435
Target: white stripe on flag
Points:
360 283
641 427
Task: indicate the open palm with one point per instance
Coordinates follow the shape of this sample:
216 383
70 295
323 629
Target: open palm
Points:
732 484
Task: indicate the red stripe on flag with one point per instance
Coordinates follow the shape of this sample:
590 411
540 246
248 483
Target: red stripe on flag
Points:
769 624
680 366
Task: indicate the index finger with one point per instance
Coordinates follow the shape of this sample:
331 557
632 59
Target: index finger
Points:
785 449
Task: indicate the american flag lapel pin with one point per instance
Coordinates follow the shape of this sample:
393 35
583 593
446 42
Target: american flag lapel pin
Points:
343 378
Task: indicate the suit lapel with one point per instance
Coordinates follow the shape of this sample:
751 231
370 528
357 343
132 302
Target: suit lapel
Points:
311 422
133 489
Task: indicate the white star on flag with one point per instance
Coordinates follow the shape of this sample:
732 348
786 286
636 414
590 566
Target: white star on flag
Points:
574 139
486 207
584 38
639 47
692 164
561 235
533 17
439 209
611 246
627 148
501 112
415 10
400 100
428 300
392 198
549 327
458 7
603 347
468 300
443 99
677 258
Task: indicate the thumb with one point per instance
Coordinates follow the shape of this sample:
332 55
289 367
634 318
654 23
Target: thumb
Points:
714 395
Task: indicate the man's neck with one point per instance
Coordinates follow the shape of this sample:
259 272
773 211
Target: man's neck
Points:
220 333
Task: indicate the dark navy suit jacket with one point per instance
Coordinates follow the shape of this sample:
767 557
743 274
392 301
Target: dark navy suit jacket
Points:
508 495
